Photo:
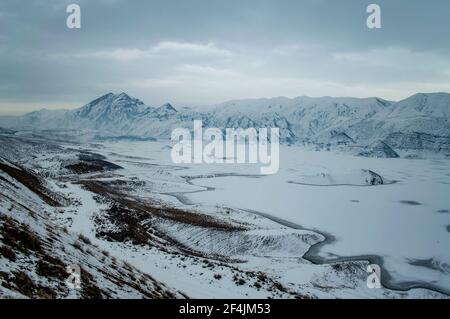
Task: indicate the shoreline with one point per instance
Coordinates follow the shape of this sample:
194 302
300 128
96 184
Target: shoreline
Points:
312 255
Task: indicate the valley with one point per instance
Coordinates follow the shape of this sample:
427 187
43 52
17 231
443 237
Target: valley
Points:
360 182
187 226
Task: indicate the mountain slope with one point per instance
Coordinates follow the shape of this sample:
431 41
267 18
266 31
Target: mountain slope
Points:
301 120
37 254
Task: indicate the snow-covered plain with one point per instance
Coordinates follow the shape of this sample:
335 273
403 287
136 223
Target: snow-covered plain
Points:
404 221
224 231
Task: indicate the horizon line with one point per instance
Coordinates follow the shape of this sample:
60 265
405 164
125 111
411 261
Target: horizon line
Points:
195 105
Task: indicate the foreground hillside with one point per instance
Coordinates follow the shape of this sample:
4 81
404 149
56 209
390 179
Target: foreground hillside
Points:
35 253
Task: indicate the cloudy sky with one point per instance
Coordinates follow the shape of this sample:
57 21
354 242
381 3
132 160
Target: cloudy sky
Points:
191 52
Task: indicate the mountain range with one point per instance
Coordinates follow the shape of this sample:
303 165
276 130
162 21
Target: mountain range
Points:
419 122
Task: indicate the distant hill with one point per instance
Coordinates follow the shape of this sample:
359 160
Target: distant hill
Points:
421 121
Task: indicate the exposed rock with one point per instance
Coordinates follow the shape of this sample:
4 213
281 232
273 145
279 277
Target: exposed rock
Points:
378 149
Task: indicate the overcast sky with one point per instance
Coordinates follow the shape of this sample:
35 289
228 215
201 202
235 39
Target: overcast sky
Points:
190 52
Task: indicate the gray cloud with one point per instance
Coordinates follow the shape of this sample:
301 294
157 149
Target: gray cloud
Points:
200 52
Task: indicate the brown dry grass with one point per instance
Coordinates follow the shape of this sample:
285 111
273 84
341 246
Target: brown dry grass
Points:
31 181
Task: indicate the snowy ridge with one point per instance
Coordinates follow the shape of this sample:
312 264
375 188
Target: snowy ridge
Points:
325 121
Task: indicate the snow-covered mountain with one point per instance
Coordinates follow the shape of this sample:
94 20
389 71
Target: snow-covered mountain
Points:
107 111
418 122
300 119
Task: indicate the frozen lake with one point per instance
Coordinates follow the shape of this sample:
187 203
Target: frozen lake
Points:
404 221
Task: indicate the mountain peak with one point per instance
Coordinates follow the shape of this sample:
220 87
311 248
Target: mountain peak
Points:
101 98
430 104
111 106
167 107
123 95
162 112
433 95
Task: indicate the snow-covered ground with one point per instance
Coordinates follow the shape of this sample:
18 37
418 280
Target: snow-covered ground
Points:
400 222
404 221
309 231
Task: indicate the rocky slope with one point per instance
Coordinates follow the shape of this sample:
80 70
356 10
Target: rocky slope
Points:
37 256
